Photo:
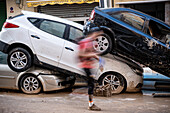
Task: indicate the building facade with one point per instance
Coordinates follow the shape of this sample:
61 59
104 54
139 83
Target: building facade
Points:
75 10
79 10
157 8
2 12
11 8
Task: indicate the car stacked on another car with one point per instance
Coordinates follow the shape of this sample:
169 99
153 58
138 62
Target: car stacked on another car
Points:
132 34
44 41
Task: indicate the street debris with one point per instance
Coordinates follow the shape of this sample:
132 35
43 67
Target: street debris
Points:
103 90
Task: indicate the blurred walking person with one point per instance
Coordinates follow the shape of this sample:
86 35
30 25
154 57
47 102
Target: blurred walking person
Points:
87 57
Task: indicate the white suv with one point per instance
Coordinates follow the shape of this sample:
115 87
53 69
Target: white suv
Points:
34 38
46 41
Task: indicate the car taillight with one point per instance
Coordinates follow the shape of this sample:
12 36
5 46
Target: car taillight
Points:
92 15
10 25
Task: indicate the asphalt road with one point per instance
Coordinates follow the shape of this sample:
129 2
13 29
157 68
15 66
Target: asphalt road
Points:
77 102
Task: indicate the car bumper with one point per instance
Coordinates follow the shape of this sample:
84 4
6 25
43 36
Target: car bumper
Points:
3 47
53 82
155 82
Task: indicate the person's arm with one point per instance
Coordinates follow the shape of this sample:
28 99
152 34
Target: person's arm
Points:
83 54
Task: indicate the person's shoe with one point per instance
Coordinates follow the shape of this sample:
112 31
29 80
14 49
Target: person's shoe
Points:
94 108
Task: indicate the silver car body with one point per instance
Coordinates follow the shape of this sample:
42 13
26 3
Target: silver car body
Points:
50 80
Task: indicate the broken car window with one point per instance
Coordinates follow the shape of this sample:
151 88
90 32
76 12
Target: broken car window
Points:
130 18
159 32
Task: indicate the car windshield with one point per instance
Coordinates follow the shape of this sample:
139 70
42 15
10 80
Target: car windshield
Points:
129 18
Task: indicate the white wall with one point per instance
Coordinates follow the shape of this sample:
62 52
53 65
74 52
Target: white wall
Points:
16 9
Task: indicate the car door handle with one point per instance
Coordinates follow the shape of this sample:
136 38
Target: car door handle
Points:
34 36
69 48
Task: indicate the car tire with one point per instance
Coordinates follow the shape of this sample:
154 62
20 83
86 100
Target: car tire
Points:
117 82
30 84
102 44
19 59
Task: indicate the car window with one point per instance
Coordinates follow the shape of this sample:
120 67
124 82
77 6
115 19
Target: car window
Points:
3 58
75 34
34 20
53 28
158 31
130 18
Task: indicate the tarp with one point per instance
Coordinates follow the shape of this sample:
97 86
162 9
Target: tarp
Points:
35 3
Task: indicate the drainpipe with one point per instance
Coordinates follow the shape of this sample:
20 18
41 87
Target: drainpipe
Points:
105 3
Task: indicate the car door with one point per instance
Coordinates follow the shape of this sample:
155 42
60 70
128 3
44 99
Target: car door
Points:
7 76
47 40
159 46
69 60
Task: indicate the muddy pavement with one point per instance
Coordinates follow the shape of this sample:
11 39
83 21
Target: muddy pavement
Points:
77 102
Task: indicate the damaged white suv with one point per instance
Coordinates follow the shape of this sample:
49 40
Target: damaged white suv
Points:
47 41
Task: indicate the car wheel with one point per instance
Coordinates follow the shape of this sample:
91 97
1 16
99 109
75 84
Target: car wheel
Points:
19 59
116 81
103 44
30 85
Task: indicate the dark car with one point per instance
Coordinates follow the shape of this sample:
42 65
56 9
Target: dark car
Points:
132 34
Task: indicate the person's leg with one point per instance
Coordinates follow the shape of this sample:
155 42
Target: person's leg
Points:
90 90
91 81
90 86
